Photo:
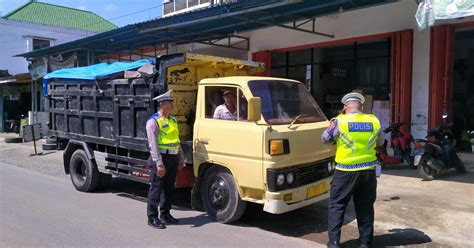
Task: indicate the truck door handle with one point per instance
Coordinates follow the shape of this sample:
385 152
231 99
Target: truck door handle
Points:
205 142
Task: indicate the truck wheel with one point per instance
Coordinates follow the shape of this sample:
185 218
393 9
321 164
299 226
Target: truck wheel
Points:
425 171
104 180
220 196
84 174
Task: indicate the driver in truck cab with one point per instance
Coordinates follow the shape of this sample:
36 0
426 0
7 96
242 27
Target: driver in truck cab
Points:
356 135
227 110
166 158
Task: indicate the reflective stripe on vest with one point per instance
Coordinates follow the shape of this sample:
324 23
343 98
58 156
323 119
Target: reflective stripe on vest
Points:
358 135
168 137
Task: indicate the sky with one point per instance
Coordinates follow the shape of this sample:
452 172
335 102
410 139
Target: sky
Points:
119 12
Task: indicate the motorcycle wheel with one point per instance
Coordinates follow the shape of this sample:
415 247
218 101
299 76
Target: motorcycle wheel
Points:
410 160
426 172
459 166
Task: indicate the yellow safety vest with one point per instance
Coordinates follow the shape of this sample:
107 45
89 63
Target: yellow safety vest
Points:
358 134
168 137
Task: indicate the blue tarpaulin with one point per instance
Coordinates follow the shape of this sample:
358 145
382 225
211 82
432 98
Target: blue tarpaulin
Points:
93 72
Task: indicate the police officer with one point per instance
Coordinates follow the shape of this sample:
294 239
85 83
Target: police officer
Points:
166 158
356 135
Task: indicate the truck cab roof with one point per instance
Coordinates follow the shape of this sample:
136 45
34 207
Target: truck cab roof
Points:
240 80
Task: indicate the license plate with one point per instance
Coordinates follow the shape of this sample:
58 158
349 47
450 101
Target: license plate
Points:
317 190
417 160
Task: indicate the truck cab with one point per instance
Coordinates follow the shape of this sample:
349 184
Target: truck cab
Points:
270 154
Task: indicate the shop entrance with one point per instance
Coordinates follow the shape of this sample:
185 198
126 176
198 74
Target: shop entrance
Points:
451 80
463 87
379 65
330 72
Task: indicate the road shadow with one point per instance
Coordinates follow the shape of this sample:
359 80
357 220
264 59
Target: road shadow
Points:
139 192
309 222
395 237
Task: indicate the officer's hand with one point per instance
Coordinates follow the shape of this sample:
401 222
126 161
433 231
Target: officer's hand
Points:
332 126
181 165
161 170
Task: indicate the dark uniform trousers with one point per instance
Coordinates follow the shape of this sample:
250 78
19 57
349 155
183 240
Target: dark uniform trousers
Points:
362 186
161 188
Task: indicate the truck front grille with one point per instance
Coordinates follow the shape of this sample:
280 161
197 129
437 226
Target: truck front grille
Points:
304 174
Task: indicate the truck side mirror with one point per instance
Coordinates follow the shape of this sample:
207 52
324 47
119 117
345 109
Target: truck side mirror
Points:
254 112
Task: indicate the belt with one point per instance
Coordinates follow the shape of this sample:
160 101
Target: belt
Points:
355 167
166 151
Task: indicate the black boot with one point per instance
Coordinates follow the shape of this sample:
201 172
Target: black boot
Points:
167 218
155 223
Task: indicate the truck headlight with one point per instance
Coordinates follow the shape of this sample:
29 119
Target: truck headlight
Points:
290 178
331 166
280 180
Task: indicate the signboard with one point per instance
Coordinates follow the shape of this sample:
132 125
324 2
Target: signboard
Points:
431 10
32 132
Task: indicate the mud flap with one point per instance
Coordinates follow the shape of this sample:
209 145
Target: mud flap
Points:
196 199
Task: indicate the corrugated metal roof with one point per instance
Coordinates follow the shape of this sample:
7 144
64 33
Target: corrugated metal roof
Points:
54 15
207 24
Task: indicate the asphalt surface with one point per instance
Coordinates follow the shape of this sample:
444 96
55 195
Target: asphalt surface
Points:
409 212
38 210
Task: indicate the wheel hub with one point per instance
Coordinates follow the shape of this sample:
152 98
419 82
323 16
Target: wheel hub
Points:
219 193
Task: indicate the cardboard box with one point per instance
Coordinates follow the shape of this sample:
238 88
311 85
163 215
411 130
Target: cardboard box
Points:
367 106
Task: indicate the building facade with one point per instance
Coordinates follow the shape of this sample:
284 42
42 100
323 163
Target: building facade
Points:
410 76
32 26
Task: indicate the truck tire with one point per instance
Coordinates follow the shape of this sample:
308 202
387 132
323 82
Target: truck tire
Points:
14 140
51 141
104 180
48 147
84 174
220 196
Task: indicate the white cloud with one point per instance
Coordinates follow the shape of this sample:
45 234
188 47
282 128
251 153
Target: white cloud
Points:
110 7
83 7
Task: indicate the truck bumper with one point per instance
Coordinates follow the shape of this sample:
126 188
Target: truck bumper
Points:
276 204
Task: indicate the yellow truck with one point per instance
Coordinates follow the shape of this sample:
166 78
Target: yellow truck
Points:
268 152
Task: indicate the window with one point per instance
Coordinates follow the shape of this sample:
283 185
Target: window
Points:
225 103
180 5
284 102
168 7
40 44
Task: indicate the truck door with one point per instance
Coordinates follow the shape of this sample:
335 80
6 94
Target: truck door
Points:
227 138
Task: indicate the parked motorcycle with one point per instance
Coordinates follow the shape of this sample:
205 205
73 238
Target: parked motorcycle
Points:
12 126
433 157
401 141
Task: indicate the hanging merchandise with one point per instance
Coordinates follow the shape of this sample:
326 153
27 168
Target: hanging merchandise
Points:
38 68
431 10
57 63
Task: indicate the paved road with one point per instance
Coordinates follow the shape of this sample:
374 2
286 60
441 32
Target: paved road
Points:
409 211
38 210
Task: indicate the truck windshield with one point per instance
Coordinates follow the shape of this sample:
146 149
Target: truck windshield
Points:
284 102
